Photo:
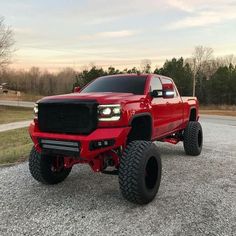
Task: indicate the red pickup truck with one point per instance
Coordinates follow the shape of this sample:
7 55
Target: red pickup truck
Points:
111 124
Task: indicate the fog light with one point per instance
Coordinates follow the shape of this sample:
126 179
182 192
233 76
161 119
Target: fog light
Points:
101 144
105 143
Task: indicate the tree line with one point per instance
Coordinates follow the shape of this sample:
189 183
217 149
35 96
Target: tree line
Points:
212 80
215 80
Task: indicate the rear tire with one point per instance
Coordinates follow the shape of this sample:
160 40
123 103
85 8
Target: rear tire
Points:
140 172
193 138
42 168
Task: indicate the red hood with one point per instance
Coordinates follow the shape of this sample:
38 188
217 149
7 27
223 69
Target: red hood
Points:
102 98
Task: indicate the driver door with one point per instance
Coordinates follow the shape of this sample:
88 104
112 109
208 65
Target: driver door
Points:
159 110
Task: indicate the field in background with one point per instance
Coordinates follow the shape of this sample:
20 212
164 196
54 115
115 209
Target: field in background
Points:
10 114
12 96
15 146
221 110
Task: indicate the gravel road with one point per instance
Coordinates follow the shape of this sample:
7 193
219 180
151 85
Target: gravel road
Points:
197 196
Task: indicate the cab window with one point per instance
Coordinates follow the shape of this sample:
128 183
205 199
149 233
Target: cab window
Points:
168 81
155 84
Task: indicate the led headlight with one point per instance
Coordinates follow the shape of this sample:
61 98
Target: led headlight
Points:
36 109
106 111
109 112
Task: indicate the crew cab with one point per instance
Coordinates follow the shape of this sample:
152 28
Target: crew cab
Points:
111 124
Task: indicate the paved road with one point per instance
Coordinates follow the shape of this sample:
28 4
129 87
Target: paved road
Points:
197 196
14 125
224 120
16 103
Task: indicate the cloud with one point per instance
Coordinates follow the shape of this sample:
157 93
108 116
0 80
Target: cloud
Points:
98 31
202 19
95 12
195 5
109 35
23 30
116 34
180 5
200 14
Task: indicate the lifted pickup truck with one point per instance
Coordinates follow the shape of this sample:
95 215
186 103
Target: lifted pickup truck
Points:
111 124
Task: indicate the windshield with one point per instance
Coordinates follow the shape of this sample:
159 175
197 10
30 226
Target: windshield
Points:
117 84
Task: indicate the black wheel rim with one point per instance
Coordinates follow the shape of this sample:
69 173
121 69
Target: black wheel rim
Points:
199 138
151 173
57 164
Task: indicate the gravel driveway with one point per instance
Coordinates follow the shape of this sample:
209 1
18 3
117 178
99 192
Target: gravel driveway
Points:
197 196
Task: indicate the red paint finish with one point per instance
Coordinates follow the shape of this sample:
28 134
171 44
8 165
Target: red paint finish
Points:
169 115
118 134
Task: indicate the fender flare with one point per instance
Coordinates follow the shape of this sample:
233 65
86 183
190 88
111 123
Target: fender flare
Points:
142 115
139 115
190 110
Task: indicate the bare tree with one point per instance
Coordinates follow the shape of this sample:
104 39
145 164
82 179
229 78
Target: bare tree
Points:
229 59
146 66
6 43
202 55
201 62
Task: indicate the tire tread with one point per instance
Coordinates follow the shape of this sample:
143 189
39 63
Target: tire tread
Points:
38 166
129 171
191 138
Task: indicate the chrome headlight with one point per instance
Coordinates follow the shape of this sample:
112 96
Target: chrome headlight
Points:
36 110
109 112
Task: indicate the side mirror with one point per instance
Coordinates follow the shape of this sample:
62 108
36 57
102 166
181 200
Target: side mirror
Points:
77 89
168 90
156 93
162 93
168 93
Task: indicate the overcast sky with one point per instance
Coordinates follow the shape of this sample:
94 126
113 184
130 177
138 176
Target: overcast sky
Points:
57 33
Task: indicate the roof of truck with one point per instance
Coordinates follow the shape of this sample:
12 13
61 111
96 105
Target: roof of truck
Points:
138 75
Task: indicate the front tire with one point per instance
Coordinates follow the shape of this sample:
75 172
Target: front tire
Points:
140 172
193 138
47 169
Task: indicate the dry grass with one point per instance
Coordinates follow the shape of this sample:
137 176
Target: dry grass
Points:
15 145
12 114
219 107
222 110
218 112
11 95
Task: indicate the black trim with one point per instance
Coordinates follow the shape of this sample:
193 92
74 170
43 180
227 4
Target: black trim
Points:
144 114
140 115
59 143
67 101
60 147
68 116
93 144
190 111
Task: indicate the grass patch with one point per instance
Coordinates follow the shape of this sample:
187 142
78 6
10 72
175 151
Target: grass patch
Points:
11 95
222 110
15 145
12 114
218 112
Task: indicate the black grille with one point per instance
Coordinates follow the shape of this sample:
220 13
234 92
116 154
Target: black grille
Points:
67 116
